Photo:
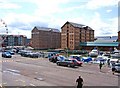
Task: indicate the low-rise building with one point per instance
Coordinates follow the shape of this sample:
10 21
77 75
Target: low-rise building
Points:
104 43
45 38
14 40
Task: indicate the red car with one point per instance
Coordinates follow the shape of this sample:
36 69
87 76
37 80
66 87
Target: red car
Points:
78 62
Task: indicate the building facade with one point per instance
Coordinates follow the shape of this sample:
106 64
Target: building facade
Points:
45 38
72 34
103 43
14 40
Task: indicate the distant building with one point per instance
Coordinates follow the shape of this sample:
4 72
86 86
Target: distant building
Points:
45 38
73 33
14 40
104 43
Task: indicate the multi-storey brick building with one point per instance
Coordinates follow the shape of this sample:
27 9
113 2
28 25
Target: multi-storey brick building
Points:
14 40
45 38
72 34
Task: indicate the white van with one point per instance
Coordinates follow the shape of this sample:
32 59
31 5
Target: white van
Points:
94 53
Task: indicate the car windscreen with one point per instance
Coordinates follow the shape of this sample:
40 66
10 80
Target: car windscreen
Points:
7 53
117 64
62 58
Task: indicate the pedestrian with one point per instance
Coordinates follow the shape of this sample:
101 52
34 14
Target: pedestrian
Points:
108 62
100 65
79 82
113 68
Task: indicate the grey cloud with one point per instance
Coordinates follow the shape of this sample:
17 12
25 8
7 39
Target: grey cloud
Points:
26 26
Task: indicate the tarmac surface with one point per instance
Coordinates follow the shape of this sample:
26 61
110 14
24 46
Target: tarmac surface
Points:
23 71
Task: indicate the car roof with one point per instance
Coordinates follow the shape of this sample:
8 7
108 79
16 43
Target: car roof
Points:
76 55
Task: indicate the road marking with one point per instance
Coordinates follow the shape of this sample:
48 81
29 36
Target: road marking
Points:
4 83
32 84
7 61
1 85
36 72
22 81
17 80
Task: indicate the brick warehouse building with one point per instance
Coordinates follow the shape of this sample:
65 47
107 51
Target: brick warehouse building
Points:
45 38
72 34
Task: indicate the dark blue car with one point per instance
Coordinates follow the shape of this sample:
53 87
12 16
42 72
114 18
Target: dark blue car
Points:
56 58
6 55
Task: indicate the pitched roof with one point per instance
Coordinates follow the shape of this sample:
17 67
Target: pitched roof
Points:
47 29
78 25
107 38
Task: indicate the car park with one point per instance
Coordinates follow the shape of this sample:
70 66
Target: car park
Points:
67 62
6 55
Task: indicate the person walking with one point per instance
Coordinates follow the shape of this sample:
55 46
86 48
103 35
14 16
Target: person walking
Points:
100 65
79 82
108 62
113 68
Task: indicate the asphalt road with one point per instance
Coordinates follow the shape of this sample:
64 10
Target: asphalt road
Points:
22 71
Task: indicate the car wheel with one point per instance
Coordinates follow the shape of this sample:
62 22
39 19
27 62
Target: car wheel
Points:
69 65
80 65
58 64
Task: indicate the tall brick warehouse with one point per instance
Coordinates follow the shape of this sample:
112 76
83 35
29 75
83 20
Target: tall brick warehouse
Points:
45 38
73 33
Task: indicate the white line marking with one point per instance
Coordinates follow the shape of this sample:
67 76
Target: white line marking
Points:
32 84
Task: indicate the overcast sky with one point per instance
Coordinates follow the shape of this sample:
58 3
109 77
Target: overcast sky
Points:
21 16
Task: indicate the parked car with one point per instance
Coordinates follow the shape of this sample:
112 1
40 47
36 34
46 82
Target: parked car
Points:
93 53
56 58
78 57
86 59
117 67
33 55
10 51
78 62
49 54
67 62
6 55
25 53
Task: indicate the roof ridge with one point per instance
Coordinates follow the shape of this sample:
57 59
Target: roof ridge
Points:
47 29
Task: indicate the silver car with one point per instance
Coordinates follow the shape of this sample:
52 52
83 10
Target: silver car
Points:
117 67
